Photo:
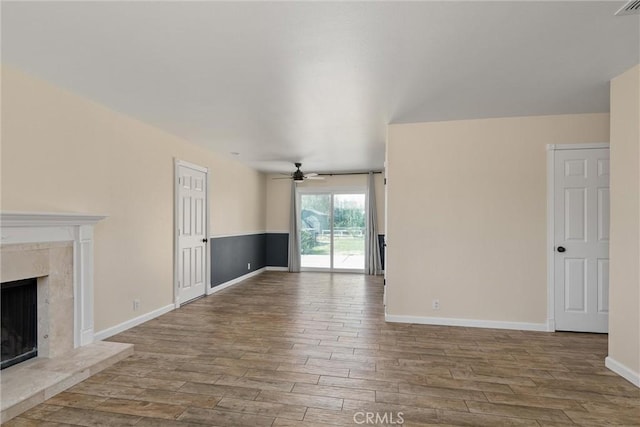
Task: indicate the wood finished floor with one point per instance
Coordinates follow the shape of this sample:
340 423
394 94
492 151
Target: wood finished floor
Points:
313 349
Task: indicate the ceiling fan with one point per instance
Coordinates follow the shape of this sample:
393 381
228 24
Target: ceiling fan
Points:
299 176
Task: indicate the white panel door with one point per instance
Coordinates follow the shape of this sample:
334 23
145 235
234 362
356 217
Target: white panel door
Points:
581 247
192 233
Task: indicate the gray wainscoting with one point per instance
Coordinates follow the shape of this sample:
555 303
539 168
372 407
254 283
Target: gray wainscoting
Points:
230 256
277 249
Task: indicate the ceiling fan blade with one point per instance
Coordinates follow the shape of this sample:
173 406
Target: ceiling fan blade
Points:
319 178
284 177
311 174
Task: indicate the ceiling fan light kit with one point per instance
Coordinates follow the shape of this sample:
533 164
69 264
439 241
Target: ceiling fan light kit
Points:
298 176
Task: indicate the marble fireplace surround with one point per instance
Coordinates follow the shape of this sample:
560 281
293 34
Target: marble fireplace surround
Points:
57 249
51 264
30 241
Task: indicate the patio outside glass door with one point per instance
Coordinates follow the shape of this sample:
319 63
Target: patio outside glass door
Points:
332 231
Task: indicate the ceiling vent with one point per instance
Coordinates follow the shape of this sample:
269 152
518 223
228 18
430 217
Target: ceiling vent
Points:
631 8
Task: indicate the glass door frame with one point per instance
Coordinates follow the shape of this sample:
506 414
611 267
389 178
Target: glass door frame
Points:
331 191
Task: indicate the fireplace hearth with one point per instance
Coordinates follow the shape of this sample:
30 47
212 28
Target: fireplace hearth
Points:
56 249
19 300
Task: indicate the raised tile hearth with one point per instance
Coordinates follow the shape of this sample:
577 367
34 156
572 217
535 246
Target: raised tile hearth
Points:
29 383
57 250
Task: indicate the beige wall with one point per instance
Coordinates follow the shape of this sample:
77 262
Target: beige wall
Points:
279 197
278 204
624 295
63 153
467 214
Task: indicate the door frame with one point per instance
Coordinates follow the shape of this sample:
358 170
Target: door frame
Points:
551 266
176 193
352 189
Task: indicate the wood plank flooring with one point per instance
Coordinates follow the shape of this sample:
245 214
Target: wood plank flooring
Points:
313 349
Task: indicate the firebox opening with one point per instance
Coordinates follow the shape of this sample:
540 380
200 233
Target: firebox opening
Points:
19 302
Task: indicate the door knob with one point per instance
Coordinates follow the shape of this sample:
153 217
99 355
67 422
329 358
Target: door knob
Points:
205 240
561 249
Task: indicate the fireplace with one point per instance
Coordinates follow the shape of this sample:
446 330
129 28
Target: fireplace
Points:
56 249
19 300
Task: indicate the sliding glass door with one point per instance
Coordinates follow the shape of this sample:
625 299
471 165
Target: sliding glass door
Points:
332 231
348 231
315 230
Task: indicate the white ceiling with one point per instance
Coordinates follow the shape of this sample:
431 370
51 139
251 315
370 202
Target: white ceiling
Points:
318 82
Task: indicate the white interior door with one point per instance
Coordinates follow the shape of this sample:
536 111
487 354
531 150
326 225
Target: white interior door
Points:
192 232
581 226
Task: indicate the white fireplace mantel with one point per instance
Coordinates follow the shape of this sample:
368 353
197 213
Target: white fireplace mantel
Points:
41 227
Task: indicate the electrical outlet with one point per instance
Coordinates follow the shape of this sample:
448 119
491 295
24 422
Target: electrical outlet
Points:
435 304
136 304
248 266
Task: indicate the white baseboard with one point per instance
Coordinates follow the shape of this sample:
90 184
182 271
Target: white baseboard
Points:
106 333
277 268
235 281
471 323
109 332
623 371
551 325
